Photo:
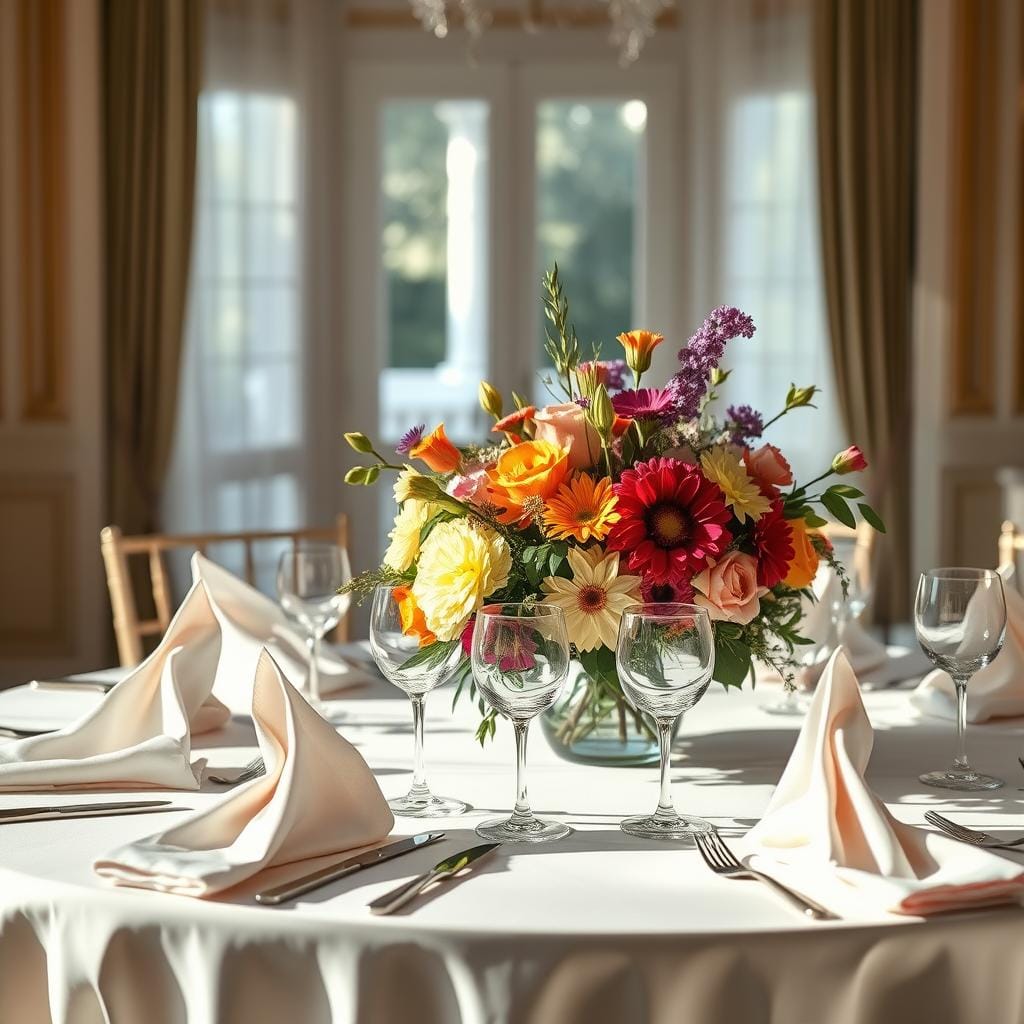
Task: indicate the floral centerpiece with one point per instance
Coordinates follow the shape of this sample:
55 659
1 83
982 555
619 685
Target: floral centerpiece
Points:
609 496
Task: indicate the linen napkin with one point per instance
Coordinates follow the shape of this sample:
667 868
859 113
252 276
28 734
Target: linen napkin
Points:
140 734
997 690
317 798
246 615
828 835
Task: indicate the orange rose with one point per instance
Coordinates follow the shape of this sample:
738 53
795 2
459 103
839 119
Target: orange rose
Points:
728 588
768 469
533 469
437 452
804 566
413 623
639 345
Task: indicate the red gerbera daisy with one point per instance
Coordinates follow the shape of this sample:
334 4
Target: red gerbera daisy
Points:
672 592
672 520
774 544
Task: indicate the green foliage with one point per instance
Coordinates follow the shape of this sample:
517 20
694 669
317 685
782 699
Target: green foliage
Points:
431 656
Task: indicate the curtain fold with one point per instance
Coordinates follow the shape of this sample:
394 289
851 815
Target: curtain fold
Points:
151 62
865 75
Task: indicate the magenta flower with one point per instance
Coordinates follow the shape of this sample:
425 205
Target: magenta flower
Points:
645 404
510 646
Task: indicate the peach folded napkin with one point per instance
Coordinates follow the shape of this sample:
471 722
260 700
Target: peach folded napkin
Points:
317 798
997 690
246 615
826 834
140 735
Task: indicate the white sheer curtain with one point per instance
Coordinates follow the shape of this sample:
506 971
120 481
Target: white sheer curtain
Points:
753 222
260 317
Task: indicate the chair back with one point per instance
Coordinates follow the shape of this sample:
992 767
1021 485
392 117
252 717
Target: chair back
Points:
129 628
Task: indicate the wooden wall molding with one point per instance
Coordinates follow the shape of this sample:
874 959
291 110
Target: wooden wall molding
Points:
973 500
975 163
43 217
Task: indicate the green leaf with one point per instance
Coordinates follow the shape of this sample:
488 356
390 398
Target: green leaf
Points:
815 521
846 491
871 517
430 657
732 661
838 507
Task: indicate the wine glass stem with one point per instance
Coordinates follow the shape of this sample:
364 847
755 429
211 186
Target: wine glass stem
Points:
419 775
960 761
522 812
314 667
666 809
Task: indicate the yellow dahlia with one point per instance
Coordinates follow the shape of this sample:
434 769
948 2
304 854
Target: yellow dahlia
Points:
742 495
412 516
594 599
583 509
459 566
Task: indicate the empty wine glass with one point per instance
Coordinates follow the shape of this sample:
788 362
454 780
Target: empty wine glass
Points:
308 579
856 557
960 619
415 670
520 661
665 657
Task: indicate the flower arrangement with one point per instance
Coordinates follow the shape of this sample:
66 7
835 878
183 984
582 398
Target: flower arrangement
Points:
609 496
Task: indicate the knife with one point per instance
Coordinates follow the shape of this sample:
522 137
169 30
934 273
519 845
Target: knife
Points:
447 868
343 868
14 814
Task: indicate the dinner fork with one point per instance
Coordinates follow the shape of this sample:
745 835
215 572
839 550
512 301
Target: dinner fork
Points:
253 770
970 835
724 862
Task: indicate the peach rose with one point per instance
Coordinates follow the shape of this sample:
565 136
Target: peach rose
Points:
532 469
804 566
566 425
728 588
768 469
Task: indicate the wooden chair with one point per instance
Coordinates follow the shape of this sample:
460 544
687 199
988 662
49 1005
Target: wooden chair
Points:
117 549
1011 544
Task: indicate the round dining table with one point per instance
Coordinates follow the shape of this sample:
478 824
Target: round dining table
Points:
599 927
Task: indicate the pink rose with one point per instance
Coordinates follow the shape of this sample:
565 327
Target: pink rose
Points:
728 588
471 487
849 460
768 469
566 426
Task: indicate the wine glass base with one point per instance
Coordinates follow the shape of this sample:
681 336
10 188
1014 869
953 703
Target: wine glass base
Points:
793 706
536 830
429 807
646 826
964 781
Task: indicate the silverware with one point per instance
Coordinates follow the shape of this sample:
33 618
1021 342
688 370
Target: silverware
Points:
970 835
70 683
724 862
252 770
341 869
447 868
56 812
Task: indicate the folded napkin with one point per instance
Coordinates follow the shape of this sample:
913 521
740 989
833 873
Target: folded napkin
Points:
828 835
247 615
997 690
140 734
317 798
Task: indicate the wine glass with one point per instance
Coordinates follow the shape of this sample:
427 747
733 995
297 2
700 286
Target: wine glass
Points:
308 579
520 661
665 657
856 558
415 670
960 620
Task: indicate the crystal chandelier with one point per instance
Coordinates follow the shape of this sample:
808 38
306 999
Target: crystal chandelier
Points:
633 21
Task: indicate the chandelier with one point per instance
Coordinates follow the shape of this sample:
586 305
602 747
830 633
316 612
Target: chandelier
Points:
633 22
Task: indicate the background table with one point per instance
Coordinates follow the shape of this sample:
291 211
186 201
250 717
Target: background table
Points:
597 928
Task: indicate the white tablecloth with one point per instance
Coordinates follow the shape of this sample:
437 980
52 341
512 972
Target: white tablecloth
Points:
597 928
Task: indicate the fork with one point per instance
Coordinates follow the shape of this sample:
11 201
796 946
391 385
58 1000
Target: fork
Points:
254 769
970 835
724 862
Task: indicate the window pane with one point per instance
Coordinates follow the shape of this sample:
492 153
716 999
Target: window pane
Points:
588 161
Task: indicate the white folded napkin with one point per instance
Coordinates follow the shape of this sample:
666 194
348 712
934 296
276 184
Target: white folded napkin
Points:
248 615
140 733
828 835
317 798
997 690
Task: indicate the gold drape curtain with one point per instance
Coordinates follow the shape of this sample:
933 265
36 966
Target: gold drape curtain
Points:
152 57
865 78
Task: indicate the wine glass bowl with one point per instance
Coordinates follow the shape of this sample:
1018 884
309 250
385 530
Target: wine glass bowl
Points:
520 662
665 658
960 621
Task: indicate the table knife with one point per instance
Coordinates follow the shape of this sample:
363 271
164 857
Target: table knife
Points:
13 814
343 868
447 868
